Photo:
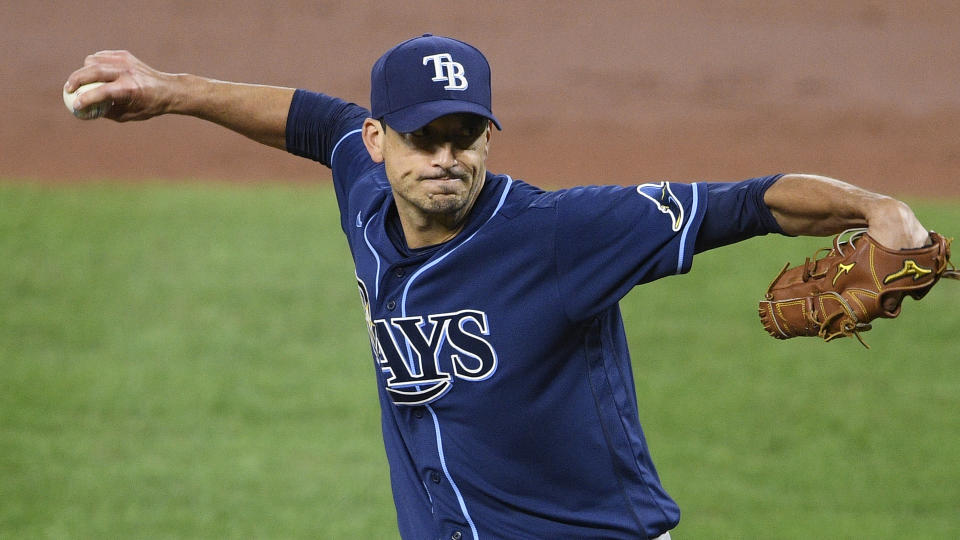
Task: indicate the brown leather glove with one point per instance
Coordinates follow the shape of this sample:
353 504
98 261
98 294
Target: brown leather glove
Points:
838 291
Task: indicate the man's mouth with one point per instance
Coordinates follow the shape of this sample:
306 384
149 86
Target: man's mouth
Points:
446 175
444 178
443 185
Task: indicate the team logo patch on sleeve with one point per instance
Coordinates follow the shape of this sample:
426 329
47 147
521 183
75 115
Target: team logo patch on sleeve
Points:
662 196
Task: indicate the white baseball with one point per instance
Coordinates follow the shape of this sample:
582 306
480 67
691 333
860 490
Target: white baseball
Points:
89 112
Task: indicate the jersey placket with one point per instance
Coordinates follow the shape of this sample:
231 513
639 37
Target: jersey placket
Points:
420 424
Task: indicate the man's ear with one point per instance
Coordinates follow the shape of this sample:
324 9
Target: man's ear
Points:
488 135
373 136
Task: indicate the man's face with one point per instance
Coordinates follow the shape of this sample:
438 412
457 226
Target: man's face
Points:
437 171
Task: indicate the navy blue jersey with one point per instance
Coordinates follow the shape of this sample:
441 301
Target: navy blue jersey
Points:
508 402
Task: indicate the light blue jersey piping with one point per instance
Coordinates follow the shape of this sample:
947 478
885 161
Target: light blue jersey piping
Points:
334 151
376 284
686 229
436 421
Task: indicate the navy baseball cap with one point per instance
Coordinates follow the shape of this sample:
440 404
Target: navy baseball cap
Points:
427 77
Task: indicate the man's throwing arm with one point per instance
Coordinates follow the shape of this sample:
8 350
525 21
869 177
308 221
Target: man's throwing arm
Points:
139 92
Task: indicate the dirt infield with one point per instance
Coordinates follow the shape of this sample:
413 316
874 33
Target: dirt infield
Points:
588 92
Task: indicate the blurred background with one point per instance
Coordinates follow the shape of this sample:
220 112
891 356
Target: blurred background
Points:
187 359
588 92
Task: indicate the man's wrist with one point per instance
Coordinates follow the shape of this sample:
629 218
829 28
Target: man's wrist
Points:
187 94
892 223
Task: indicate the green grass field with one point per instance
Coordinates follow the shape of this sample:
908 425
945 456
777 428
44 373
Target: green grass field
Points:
190 361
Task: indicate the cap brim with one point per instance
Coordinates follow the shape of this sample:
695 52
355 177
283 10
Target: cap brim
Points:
416 116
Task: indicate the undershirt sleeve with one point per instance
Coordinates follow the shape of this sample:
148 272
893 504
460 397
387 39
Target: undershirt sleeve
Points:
327 129
736 212
317 122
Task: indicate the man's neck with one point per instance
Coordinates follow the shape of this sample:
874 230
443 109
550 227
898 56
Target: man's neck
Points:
420 233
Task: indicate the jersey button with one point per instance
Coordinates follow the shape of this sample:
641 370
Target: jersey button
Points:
418 412
456 535
391 305
399 272
435 477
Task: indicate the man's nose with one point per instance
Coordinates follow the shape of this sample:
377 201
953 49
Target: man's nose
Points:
443 155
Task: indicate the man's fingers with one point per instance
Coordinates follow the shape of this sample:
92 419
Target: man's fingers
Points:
136 90
107 57
102 66
111 67
89 74
94 95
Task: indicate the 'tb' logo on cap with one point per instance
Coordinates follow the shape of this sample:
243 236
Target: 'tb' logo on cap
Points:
445 69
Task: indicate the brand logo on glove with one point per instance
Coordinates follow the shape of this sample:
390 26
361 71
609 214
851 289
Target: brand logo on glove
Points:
910 268
843 269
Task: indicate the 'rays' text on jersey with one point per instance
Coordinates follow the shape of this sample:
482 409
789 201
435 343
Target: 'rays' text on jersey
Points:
420 355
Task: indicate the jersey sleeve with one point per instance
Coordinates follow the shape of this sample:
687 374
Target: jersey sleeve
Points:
327 129
612 238
736 212
316 122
